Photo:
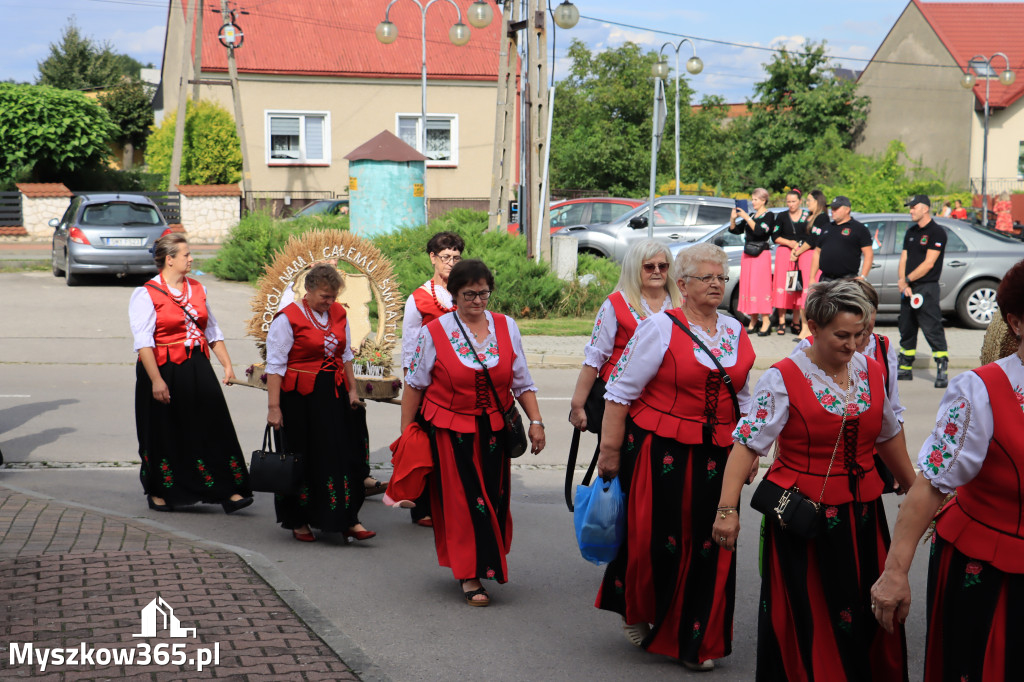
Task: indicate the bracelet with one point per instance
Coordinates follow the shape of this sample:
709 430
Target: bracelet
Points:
725 511
537 422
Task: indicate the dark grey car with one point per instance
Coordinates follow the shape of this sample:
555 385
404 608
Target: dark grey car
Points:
677 218
106 234
975 262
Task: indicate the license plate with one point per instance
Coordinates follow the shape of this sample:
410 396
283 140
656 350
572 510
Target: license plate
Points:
125 241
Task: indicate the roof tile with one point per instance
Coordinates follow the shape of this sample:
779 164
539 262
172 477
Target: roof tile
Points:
982 28
210 190
13 231
327 37
37 190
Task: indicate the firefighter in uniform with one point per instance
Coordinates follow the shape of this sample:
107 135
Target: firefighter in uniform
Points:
920 268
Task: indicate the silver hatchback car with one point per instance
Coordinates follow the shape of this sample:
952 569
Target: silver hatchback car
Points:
106 234
677 219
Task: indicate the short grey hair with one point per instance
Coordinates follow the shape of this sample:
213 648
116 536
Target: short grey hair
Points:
323 276
828 299
690 258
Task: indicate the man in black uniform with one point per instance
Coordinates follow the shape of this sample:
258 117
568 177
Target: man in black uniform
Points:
920 268
841 246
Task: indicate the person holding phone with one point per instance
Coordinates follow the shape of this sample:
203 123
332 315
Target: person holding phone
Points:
310 384
756 265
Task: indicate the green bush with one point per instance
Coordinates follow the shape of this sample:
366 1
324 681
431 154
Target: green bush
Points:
256 240
211 153
523 288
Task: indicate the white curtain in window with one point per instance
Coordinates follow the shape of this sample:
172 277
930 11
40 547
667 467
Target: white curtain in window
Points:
439 140
407 131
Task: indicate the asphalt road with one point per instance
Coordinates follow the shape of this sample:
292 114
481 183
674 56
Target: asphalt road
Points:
66 399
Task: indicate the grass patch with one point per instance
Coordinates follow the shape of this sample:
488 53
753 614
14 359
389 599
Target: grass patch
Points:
556 326
24 265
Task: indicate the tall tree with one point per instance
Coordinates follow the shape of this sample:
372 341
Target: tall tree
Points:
802 116
79 63
130 108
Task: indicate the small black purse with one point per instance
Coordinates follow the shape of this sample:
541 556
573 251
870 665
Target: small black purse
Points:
515 433
754 248
275 472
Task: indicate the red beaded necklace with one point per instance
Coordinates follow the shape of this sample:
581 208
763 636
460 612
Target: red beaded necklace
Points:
437 302
311 315
182 298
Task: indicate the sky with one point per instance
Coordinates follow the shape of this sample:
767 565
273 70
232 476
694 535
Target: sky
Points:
853 31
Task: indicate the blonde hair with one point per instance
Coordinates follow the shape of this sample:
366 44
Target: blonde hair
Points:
630 279
762 194
828 299
689 258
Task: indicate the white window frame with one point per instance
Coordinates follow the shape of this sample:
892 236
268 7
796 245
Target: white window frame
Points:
453 121
302 160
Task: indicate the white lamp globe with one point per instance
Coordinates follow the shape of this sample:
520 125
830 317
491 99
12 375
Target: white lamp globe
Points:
459 34
694 65
566 15
479 14
387 32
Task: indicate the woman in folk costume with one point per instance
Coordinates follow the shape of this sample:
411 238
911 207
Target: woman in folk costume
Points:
976 571
755 298
644 289
449 398
187 443
428 302
828 410
803 256
310 389
669 415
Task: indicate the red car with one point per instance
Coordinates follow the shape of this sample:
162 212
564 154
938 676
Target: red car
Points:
586 211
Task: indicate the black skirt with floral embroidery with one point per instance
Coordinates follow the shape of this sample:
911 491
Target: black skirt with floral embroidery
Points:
333 438
189 449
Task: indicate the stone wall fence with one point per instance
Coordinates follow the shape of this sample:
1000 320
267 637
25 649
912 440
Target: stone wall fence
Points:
208 212
41 202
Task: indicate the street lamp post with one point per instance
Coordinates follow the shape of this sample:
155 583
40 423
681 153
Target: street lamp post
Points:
479 15
660 72
982 66
694 65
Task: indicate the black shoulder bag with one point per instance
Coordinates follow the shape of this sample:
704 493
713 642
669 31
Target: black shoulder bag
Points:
275 471
514 430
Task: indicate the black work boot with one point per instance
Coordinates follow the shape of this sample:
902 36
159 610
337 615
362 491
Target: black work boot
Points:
905 364
941 379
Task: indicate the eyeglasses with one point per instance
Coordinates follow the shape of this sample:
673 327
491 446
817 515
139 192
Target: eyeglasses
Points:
651 267
448 258
707 279
471 295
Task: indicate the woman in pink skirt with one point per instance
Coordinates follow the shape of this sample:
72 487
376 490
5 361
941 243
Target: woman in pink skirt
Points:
790 227
756 265
817 204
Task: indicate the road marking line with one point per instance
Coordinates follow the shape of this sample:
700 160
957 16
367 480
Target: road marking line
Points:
14 395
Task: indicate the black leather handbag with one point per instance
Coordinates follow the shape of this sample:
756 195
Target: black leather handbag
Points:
275 472
515 433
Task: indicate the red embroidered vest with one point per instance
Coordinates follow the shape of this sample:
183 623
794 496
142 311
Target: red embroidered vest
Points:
426 305
625 327
306 357
458 394
985 520
171 322
809 437
685 395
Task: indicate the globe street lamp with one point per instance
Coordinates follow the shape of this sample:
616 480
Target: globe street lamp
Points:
982 66
479 15
694 65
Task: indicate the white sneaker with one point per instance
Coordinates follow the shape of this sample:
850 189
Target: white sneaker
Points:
706 666
636 633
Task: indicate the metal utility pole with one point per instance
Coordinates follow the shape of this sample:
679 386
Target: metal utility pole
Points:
503 165
197 64
179 123
228 18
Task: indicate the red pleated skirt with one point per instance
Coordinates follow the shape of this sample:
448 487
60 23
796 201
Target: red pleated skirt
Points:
470 502
814 615
669 572
805 261
783 299
975 627
756 284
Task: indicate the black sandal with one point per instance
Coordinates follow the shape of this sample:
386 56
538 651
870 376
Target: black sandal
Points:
468 596
782 330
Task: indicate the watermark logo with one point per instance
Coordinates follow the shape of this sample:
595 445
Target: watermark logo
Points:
157 618
151 612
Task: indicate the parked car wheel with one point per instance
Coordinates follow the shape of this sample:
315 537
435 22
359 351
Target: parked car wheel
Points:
976 304
71 279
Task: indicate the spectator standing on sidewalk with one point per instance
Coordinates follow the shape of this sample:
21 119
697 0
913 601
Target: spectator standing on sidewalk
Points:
840 248
959 212
920 267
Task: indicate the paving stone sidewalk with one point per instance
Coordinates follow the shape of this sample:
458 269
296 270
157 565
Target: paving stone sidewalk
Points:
71 578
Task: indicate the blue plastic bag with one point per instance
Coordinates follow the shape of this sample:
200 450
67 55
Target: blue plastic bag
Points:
600 520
